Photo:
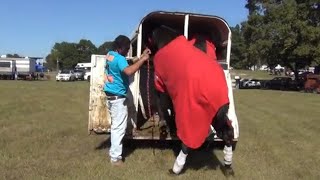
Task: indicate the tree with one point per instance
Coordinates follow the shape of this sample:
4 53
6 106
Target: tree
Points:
238 50
69 54
283 31
51 64
256 45
13 56
85 49
105 47
66 53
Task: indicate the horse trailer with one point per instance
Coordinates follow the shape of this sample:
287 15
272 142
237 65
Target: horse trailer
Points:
24 66
187 23
8 69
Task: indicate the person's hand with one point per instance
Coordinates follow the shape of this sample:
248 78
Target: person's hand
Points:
144 57
147 51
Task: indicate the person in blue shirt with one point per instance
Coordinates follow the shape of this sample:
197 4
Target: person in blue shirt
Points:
117 72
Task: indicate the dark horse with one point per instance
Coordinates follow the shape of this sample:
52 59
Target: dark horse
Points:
158 39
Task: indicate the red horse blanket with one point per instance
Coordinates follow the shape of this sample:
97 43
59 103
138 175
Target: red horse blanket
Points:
196 85
211 49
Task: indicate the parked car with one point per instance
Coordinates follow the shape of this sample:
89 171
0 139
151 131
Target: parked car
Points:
87 76
250 84
66 75
282 83
79 73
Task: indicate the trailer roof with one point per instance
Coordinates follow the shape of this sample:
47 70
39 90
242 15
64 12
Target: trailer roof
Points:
170 14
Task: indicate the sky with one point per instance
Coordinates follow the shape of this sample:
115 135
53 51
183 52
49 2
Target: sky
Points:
32 27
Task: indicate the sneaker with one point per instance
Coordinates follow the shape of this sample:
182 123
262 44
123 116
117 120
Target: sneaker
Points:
118 162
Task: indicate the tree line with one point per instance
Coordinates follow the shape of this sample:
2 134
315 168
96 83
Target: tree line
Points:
68 54
284 32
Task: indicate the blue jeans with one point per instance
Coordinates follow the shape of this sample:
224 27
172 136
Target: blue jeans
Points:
119 114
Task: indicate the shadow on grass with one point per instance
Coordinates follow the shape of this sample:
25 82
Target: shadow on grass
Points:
203 157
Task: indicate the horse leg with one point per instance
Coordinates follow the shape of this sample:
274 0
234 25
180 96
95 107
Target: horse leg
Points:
166 104
181 159
225 131
170 120
160 109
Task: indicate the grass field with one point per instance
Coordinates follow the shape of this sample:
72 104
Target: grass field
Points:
43 135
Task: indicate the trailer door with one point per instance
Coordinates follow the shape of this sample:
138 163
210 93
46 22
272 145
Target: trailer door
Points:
99 117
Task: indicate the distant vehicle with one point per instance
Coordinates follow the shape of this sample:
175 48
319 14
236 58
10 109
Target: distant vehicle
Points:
79 73
25 67
312 83
66 75
250 84
282 83
8 69
87 76
264 68
83 66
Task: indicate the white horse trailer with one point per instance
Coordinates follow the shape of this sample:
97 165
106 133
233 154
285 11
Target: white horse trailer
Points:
24 66
85 66
186 23
7 69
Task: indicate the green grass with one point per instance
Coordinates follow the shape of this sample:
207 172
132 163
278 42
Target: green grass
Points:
43 135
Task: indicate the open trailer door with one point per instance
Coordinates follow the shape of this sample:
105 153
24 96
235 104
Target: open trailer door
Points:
99 117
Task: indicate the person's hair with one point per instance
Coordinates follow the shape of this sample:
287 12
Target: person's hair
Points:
121 42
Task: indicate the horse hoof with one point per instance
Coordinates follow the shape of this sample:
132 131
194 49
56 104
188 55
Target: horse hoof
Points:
172 173
228 171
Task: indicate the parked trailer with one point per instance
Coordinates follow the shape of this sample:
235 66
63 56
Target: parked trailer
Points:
188 23
8 69
84 66
25 67
312 83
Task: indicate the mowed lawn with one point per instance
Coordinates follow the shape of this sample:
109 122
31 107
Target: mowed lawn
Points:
43 135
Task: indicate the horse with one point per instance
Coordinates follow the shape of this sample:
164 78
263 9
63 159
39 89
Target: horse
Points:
164 43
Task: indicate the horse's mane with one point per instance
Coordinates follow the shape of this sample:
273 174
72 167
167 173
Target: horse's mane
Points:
161 36
200 43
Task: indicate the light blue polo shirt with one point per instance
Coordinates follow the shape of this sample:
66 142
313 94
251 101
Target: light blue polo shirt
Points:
118 82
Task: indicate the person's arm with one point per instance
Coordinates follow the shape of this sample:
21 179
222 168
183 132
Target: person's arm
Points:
136 66
134 59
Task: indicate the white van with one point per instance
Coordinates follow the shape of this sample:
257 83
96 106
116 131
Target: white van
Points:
187 23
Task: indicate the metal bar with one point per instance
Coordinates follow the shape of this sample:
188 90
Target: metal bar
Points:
186 25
